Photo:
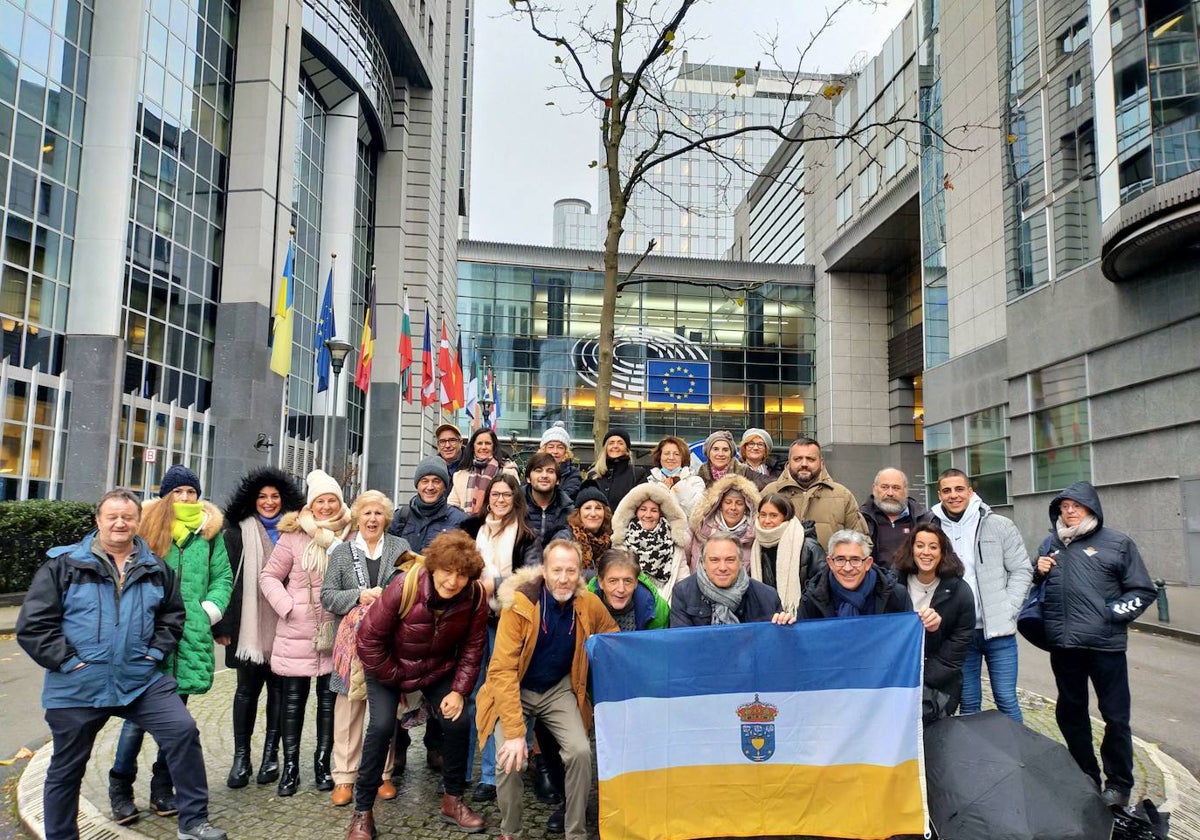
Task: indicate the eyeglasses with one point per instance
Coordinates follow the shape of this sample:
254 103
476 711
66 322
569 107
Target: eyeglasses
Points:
852 562
757 444
449 441
496 495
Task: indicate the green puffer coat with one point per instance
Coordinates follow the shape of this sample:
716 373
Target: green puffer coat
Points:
205 583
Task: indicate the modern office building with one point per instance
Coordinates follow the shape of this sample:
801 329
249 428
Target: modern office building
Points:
687 204
574 225
159 159
1049 267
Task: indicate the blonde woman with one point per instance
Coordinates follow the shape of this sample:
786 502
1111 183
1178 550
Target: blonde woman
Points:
291 582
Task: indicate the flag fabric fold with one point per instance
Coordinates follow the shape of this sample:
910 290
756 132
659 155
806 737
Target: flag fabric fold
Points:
325 331
285 306
366 348
406 352
471 388
445 368
458 397
809 729
428 379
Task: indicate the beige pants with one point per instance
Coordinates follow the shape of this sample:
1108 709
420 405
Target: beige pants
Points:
349 719
559 710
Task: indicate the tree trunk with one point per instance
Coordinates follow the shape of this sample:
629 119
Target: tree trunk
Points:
608 315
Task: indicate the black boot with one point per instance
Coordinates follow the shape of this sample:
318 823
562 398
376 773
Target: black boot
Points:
162 791
543 785
243 726
120 797
400 754
268 771
325 701
291 725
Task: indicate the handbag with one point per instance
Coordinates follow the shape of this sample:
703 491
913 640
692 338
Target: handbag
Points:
325 631
1030 622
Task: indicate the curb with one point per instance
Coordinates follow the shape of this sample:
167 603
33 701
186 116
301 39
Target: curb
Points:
1167 630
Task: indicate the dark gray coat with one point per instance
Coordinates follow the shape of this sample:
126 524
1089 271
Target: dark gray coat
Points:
690 609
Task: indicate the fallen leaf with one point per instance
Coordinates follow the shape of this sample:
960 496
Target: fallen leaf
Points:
22 753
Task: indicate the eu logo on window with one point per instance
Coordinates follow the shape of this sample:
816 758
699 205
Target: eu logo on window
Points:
677 382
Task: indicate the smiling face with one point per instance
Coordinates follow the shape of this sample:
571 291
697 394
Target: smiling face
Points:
618 585
430 488
670 457
720 455
372 519
561 572
927 554
449 445
448 583
722 562
326 506
485 448
955 494
733 508
615 447
849 564
543 479
754 451
769 516
591 515
117 523
556 449
268 503
500 500
649 514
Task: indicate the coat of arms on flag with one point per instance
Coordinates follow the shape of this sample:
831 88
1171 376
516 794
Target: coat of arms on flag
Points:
758 729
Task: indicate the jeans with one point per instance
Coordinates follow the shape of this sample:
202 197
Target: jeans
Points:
1001 656
487 761
162 713
129 744
1109 673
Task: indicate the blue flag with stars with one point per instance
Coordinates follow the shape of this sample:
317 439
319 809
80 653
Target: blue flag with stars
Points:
324 333
678 382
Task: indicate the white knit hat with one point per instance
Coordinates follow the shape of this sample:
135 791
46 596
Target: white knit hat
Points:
319 483
761 434
557 432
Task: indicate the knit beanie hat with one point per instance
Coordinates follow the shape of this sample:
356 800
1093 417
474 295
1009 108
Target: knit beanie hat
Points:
590 494
432 465
760 434
621 433
719 434
178 476
319 483
557 432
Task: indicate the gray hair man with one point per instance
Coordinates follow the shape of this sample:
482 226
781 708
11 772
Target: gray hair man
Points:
850 585
891 514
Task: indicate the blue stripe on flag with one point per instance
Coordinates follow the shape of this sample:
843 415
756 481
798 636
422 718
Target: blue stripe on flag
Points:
870 652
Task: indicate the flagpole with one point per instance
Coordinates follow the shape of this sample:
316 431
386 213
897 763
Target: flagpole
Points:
328 400
283 397
366 447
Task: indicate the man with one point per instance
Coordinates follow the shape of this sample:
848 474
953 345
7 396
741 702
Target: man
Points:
540 669
449 447
546 506
997 568
429 513
891 514
722 591
100 616
814 494
1096 584
849 585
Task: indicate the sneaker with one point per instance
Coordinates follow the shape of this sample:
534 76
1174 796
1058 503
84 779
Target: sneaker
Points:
201 831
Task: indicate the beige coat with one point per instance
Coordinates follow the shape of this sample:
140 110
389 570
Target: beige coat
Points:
625 517
830 505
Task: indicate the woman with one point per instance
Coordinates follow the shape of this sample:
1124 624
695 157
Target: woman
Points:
614 473
725 508
783 555
426 633
479 465
303 648
248 627
651 525
185 533
755 452
591 526
672 469
358 571
718 450
557 442
628 593
928 567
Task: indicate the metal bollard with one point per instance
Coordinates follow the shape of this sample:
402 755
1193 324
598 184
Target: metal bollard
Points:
1164 606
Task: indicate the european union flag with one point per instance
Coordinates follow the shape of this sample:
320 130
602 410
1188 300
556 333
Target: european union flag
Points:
324 333
678 382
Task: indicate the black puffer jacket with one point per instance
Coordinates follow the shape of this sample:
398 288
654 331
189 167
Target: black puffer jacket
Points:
551 523
817 600
1098 583
946 648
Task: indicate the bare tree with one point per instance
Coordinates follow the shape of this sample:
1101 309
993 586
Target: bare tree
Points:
623 68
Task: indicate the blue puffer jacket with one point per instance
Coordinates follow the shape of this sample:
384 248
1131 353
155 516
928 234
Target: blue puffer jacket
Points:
74 614
419 530
1098 583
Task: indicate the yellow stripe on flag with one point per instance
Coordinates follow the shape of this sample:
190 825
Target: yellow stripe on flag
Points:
281 346
858 801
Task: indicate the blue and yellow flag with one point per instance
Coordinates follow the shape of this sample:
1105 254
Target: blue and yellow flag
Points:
285 307
758 729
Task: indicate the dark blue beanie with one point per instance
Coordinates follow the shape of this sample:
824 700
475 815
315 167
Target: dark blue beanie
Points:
179 476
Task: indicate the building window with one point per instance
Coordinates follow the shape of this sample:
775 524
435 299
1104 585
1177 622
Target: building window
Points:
868 183
845 206
1074 38
939 456
1062 451
841 156
976 444
1075 89
895 155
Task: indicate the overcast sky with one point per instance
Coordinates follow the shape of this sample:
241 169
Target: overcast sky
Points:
526 156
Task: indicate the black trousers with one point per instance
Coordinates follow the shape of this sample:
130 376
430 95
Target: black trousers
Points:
1109 674
381 725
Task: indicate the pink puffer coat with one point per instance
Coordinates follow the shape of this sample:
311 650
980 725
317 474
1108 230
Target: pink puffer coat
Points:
285 586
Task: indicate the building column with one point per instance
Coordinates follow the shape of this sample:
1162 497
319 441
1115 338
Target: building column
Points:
248 396
94 355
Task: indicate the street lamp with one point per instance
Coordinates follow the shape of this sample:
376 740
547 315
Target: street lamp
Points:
338 351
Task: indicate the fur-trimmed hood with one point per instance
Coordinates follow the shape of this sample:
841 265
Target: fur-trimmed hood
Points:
528 581
711 500
241 503
626 513
158 516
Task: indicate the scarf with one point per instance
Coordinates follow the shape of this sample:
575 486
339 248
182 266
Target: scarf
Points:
724 601
478 478
256 630
851 602
271 525
1085 527
717 474
496 544
427 510
738 531
626 618
761 469
189 516
325 534
790 538
655 549
590 545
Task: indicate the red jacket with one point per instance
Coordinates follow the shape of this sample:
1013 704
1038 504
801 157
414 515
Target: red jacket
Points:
414 652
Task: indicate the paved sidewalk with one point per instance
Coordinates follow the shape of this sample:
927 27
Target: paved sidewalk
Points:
256 812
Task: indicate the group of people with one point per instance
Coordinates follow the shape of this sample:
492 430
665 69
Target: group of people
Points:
466 609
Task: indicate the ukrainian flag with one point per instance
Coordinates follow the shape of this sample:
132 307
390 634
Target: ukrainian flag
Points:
285 307
758 729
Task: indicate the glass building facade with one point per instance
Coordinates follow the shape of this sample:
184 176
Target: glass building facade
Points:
537 327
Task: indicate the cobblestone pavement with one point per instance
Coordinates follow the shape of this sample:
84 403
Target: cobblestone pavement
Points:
256 811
